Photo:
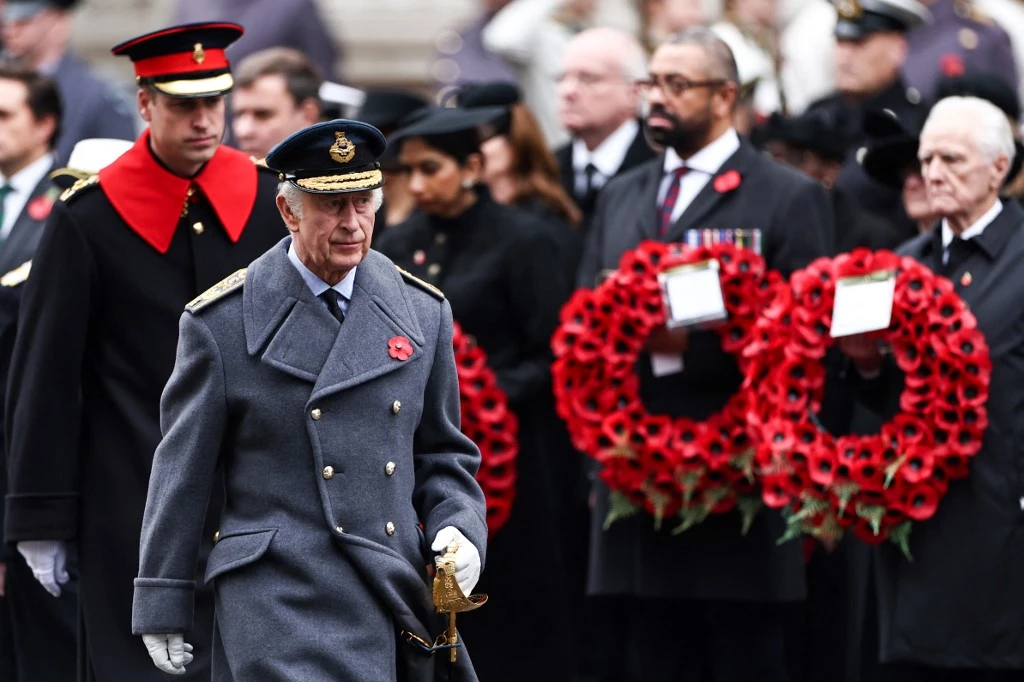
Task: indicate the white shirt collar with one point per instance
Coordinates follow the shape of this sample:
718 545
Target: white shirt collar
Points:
608 156
973 230
709 159
317 285
29 177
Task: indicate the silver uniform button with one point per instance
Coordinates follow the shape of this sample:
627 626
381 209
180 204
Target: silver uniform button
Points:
328 473
389 528
315 413
389 468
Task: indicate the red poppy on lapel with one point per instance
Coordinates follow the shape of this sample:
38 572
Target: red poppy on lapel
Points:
951 64
40 207
399 348
727 181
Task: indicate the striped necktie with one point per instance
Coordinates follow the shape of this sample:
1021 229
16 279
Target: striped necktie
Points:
668 206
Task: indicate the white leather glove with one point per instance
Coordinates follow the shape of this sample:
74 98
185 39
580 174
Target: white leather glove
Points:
467 557
170 653
47 559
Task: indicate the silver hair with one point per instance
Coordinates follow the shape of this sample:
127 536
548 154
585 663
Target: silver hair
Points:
721 62
989 127
293 197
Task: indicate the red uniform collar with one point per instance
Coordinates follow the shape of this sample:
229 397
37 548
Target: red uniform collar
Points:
149 197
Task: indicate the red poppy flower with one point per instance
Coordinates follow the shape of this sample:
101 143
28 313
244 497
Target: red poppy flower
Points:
951 64
40 207
918 465
922 502
399 348
727 181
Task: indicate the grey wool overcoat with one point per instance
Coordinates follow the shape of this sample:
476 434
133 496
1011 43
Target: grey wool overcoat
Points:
340 463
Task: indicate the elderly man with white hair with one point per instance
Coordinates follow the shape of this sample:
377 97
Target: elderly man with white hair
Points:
956 612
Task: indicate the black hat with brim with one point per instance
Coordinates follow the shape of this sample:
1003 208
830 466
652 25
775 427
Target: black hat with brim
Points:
22 10
857 19
384 108
333 157
452 120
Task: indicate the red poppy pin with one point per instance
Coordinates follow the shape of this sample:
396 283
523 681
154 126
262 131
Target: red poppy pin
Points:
727 181
951 64
399 348
40 207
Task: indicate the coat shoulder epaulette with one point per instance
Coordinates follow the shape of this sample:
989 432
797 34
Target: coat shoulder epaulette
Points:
420 284
232 282
79 187
16 276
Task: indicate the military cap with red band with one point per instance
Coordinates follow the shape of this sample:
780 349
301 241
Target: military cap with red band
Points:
184 61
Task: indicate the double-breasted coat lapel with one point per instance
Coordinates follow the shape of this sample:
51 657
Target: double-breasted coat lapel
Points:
301 338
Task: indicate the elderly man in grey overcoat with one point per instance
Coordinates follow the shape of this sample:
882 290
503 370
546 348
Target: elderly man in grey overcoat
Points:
322 380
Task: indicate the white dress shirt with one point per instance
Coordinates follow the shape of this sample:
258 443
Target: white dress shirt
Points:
607 157
702 166
318 286
972 231
24 182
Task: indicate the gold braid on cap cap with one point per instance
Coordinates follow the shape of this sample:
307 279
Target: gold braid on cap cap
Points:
849 9
341 183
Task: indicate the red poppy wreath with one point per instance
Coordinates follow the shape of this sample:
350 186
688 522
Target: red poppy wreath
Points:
665 466
878 485
488 422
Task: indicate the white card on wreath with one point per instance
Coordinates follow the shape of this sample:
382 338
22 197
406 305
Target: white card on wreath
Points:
863 304
692 294
664 364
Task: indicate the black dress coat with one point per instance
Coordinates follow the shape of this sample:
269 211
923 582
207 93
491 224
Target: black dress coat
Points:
639 152
501 271
959 604
41 643
96 343
711 561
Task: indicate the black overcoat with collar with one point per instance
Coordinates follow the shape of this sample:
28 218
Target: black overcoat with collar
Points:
712 560
959 603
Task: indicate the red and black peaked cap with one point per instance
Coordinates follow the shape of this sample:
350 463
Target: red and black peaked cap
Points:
184 61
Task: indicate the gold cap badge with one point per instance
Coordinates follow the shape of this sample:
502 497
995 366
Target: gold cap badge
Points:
849 9
342 150
198 54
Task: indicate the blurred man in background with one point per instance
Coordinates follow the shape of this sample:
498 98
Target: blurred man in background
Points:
275 95
37 33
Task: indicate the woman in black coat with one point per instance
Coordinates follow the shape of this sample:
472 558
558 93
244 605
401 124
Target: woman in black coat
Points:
502 272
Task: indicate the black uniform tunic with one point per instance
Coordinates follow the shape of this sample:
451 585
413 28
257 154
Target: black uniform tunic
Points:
96 344
502 270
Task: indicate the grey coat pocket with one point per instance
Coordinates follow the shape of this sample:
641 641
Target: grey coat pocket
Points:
237 550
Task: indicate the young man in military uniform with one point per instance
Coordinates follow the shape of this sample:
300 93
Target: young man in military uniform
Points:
121 254
322 379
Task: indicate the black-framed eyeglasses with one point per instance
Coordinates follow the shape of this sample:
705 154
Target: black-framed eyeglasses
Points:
674 84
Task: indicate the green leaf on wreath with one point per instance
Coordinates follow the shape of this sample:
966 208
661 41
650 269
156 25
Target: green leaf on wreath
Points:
619 507
748 507
744 462
793 531
623 451
890 471
829 532
660 500
690 516
845 493
872 513
900 535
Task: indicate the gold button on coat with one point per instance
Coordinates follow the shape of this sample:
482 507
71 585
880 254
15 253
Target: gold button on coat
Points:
198 228
328 473
315 413
389 468
396 406
389 528
216 536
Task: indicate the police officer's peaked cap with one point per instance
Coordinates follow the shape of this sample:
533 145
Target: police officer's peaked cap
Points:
184 61
858 18
331 157
20 10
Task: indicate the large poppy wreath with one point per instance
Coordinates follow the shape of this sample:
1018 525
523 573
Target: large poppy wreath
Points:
488 422
878 485
663 465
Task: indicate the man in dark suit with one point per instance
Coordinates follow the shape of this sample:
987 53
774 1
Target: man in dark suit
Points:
954 613
38 632
37 33
597 104
709 599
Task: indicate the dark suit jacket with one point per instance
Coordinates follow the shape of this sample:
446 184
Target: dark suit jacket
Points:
91 107
15 251
958 603
638 153
711 561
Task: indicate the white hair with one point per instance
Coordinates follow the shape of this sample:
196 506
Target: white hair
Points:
293 197
988 125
